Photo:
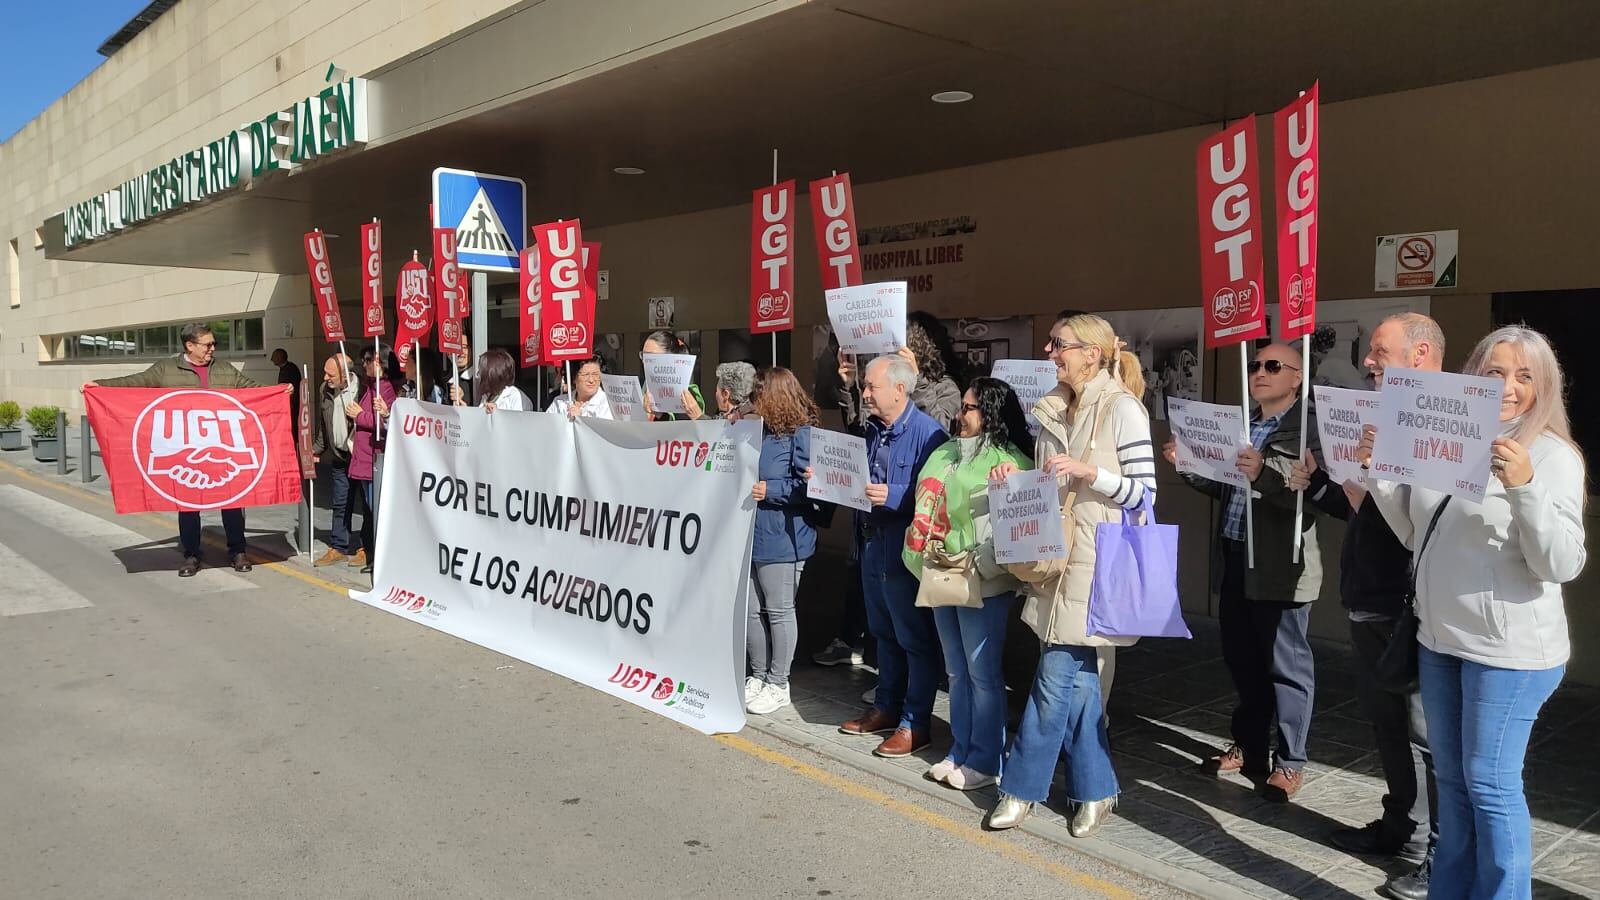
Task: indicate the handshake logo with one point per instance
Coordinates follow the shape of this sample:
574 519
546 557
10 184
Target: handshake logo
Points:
199 449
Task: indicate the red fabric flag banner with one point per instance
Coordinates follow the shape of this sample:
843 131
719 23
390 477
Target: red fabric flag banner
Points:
413 308
1297 169
567 304
308 461
372 279
318 265
833 214
772 259
1230 236
171 450
454 302
528 307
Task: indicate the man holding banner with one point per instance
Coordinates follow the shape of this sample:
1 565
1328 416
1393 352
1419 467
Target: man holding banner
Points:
196 368
1265 610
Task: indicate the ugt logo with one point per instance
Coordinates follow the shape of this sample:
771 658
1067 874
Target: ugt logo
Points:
683 454
772 303
199 449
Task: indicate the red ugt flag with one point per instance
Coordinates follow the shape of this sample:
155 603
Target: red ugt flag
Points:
772 259
528 308
372 279
1297 170
1230 236
567 303
833 215
190 449
322 292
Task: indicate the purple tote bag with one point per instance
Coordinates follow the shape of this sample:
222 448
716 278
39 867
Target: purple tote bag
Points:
1135 589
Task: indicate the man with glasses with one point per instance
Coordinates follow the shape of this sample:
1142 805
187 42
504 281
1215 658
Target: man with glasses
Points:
196 368
1265 611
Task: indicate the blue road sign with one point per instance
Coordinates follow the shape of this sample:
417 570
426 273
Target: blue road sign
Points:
489 214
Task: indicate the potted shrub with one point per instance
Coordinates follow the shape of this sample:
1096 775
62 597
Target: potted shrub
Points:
46 443
10 434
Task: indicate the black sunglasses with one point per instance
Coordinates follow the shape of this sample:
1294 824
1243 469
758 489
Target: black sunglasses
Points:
1272 366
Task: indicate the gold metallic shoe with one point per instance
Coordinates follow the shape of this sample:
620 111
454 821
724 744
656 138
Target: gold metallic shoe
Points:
1009 813
1091 816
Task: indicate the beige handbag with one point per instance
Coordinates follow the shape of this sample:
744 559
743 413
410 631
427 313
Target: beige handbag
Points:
949 579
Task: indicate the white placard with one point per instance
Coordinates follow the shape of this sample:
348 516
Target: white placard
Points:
1025 512
594 564
1030 378
838 469
1340 415
1435 430
625 396
666 377
869 319
1208 436
1420 260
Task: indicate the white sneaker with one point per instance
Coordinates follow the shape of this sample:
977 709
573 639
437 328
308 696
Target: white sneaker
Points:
752 687
941 770
772 698
965 778
870 696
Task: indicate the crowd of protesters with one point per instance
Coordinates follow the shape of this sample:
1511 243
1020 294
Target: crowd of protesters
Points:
1474 591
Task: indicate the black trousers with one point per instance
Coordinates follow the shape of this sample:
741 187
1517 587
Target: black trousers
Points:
232 526
1268 652
1401 731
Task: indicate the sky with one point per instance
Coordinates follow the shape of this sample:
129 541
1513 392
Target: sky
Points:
43 53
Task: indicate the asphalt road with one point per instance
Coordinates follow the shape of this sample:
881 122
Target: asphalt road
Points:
261 736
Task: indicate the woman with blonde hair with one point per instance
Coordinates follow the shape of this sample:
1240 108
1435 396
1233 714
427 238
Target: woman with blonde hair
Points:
1095 438
1492 626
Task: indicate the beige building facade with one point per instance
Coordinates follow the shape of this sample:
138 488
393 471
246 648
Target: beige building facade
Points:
1070 174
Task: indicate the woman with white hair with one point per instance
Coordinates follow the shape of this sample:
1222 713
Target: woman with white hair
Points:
1491 621
736 382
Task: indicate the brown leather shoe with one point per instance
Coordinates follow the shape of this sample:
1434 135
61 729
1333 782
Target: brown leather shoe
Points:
328 559
903 742
191 565
1231 760
241 563
874 722
358 560
1283 784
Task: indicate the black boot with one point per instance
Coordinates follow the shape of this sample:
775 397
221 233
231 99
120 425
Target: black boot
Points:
1415 885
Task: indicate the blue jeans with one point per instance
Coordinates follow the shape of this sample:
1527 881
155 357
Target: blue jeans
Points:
1479 719
339 532
1063 715
908 645
973 640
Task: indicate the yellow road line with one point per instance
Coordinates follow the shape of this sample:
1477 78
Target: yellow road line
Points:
986 840
909 811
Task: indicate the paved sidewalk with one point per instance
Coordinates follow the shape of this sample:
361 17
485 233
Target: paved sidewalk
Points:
1169 708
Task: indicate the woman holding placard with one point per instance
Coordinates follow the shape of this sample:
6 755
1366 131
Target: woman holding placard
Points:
1492 626
784 540
1095 438
950 548
694 403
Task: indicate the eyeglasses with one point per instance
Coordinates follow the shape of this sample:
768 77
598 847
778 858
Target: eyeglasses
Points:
204 345
1061 346
971 407
1272 366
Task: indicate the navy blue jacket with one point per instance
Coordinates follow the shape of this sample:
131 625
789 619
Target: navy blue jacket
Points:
782 533
895 454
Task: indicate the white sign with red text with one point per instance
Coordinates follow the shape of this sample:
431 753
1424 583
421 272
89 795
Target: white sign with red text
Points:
625 397
1340 414
666 377
1025 511
838 469
869 319
1208 437
1435 430
1031 379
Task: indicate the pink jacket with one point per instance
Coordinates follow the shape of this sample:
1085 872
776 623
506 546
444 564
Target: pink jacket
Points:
366 431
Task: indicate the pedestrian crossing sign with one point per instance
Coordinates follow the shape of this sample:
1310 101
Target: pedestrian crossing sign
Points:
489 214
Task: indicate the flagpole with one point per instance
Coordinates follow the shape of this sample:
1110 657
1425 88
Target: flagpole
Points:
791 306
1305 391
1249 491
311 483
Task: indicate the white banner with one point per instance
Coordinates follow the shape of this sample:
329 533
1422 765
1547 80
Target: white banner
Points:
1025 511
838 469
1435 430
1031 379
625 397
1340 415
666 377
869 319
621 560
1208 436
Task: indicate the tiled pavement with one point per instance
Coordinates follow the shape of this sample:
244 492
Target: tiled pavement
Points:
1169 707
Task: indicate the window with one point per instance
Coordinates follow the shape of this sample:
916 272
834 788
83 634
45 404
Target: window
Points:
235 337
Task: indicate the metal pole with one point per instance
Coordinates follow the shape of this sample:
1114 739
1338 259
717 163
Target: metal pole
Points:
1249 492
1305 391
480 314
61 442
85 456
311 484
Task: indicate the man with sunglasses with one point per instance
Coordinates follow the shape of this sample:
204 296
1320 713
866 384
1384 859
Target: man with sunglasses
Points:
196 368
1265 611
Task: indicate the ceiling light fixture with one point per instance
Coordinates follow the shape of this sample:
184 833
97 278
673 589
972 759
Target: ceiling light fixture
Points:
952 97
628 170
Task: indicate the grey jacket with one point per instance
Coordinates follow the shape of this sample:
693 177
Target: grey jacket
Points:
177 372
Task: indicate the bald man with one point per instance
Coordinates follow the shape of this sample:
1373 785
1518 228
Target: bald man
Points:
1265 611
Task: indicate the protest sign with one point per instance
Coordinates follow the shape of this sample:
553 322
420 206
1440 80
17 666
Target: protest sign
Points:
451 297
1031 379
627 402
1340 415
869 319
833 216
372 279
566 305
666 377
1209 437
1435 430
838 469
772 259
177 450
1230 236
413 308
303 441
1296 173
1025 511
320 269
621 561
528 308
